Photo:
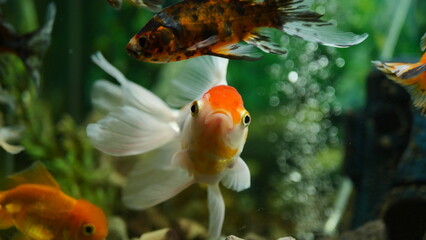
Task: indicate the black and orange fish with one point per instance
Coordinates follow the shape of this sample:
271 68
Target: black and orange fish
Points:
230 28
412 76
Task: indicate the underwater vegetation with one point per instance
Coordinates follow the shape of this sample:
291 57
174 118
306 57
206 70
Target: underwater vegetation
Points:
310 174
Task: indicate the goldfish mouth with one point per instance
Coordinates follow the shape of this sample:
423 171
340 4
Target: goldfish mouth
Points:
219 118
132 51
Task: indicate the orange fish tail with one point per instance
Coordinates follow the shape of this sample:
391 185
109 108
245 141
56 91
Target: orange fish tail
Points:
6 220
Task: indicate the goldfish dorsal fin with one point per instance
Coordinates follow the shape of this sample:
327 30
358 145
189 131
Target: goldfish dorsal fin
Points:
423 43
35 174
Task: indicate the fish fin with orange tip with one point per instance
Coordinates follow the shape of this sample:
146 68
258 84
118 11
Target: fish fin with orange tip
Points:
400 71
299 20
423 43
237 51
188 80
262 39
216 206
35 174
237 177
155 179
142 123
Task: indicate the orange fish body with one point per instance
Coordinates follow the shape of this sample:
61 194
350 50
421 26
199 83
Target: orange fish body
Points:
42 211
412 76
194 28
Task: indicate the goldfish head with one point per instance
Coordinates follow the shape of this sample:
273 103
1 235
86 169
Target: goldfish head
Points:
86 222
153 43
219 126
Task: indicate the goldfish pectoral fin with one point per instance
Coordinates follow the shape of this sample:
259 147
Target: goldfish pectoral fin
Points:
216 211
262 39
201 74
413 71
237 52
237 177
400 70
6 219
35 174
150 184
106 96
133 94
423 43
205 43
129 131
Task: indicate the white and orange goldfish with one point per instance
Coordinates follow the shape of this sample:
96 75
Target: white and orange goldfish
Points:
34 203
200 143
412 76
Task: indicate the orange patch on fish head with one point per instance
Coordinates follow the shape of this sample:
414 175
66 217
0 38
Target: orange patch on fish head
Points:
86 222
153 43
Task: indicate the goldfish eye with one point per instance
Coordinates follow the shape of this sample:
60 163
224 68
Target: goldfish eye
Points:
246 119
88 229
142 41
194 108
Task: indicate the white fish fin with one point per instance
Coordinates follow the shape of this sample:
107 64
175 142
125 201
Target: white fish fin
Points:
135 95
205 43
423 43
298 20
12 134
237 177
237 51
129 131
106 96
262 39
216 211
150 183
191 78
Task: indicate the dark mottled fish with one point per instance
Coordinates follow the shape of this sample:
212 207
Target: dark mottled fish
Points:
230 28
412 76
30 47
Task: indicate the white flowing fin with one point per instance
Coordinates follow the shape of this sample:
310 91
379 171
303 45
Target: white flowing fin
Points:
155 179
298 20
135 95
190 79
216 211
129 131
262 39
237 177
106 96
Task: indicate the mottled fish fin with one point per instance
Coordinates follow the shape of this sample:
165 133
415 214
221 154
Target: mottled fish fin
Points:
237 51
216 210
152 5
144 122
237 177
400 71
262 39
423 43
205 43
106 96
298 20
155 179
35 174
408 75
186 81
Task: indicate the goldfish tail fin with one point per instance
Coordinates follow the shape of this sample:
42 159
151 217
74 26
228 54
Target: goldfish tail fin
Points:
191 78
216 210
297 19
155 179
140 123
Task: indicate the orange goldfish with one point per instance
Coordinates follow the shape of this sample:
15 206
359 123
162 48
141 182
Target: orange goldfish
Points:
412 76
199 143
194 28
37 207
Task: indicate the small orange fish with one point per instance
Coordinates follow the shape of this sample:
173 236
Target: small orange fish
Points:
412 76
194 28
37 207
